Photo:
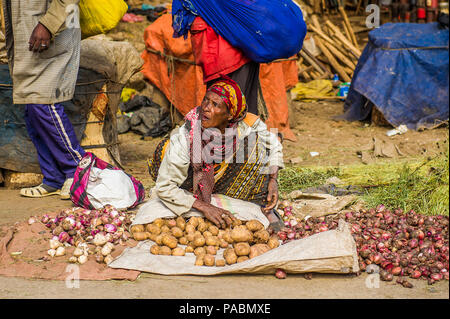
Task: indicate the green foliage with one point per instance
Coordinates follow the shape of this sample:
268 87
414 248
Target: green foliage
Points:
425 192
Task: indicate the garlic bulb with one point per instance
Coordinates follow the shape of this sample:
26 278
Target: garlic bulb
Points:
100 240
60 251
106 250
78 252
51 252
73 259
82 259
108 259
54 243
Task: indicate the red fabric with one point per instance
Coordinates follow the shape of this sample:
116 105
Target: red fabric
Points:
213 53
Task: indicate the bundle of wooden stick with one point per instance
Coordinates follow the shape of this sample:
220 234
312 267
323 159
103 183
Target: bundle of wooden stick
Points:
337 51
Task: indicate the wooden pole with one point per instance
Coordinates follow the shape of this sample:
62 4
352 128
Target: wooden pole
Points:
340 56
338 34
349 26
333 61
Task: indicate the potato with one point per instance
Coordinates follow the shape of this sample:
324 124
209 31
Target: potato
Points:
220 234
209 260
241 259
199 261
220 262
202 227
197 233
159 222
214 230
212 241
193 221
230 256
164 250
181 223
183 241
165 229
227 237
190 237
178 251
176 232
170 241
242 249
211 250
199 251
189 229
241 234
237 222
207 234
151 236
154 249
199 241
137 229
153 229
189 249
258 249
254 225
273 242
223 244
158 239
171 222
139 236
261 236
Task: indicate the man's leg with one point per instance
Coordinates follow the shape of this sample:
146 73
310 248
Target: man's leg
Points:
53 177
54 128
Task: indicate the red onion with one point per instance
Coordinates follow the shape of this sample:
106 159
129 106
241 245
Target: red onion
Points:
63 237
282 235
291 235
280 274
45 219
436 276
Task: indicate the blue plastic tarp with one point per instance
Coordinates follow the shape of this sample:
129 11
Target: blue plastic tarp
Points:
265 30
404 72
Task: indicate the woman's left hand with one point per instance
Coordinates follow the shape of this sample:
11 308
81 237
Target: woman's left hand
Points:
272 197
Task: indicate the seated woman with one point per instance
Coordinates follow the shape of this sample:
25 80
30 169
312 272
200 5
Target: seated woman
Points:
220 149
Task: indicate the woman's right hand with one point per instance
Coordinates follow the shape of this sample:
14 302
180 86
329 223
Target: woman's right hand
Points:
220 217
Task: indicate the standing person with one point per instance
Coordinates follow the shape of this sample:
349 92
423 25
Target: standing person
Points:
216 56
43 44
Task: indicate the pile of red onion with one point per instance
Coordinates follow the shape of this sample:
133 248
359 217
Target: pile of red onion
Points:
77 225
404 245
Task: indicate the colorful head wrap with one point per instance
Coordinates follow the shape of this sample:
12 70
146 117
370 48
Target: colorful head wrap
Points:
231 93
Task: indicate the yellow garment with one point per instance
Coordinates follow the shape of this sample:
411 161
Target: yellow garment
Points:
100 16
312 90
127 93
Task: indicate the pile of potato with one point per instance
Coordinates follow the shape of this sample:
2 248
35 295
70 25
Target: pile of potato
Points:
243 241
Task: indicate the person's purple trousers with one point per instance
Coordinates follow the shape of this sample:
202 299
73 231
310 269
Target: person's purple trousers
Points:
59 151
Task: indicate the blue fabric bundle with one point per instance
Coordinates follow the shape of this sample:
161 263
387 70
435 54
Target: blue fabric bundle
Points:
265 30
404 72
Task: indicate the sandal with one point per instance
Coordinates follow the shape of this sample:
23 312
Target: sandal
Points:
41 190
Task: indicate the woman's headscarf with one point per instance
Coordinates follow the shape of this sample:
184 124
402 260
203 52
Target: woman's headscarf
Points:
203 177
231 94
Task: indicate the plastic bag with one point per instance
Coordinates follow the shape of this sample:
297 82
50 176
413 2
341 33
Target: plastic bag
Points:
97 183
100 16
265 30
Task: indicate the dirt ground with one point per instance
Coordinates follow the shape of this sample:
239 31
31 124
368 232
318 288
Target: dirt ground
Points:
336 142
